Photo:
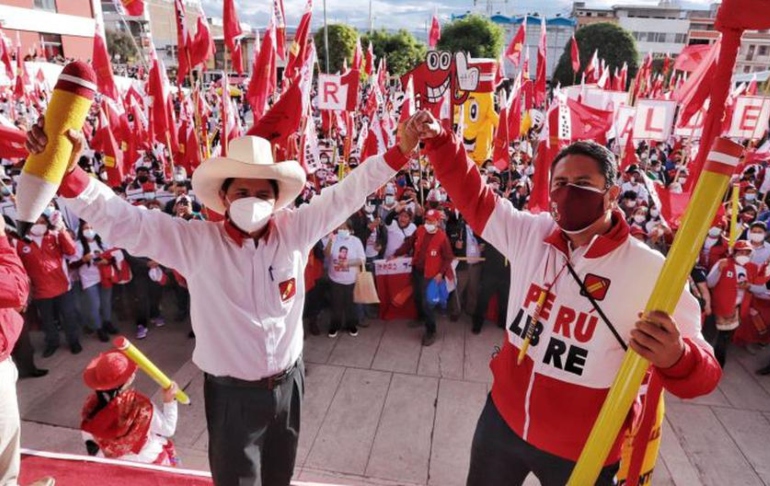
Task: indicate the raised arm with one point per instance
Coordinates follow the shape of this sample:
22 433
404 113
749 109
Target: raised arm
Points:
335 204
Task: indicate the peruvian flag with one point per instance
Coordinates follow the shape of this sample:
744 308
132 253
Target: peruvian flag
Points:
513 52
103 68
540 84
575 54
434 35
298 50
514 112
264 79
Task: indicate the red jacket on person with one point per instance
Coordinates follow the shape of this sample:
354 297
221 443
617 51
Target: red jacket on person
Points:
432 252
14 290
45 263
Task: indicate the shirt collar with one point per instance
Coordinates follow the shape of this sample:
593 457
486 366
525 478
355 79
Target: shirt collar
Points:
239 236
601 245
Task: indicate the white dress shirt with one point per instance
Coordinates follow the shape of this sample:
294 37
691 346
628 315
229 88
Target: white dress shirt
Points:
246 300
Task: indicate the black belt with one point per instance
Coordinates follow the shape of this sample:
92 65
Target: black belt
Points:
267 383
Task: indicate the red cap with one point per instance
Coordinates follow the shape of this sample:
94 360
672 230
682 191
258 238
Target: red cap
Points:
432 215
742 245
79 78
108 371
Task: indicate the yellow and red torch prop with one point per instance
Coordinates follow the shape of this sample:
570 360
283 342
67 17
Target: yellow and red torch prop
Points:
143 362
712 184
734 207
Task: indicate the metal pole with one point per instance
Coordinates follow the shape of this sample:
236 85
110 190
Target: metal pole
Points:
326 39
371 18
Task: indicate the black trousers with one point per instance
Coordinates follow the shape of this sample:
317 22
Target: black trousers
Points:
425 312
23 352
499 457
721 344
253 432
61 307
343 309
147 295
491 285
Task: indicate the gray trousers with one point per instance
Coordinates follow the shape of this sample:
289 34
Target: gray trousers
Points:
253 431
499 457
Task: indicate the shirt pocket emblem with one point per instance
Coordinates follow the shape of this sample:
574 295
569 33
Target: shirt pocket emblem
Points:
288 289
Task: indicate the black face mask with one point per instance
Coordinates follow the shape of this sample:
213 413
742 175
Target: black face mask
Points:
142 178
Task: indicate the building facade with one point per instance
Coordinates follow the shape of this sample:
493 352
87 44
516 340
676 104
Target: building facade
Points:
57 28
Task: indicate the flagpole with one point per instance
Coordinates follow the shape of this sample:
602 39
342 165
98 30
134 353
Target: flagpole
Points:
133 41
326 39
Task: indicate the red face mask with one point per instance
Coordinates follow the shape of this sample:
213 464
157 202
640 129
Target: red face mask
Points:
575 208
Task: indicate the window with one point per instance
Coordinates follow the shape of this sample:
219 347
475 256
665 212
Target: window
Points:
46 5
51 45
762 51
680 38
109 7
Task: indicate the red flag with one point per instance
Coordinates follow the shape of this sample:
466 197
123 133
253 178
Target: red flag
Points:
156 88
104 141
182 41
202 47
500 156
280 28
514 114
629 153
540 84
103 68
369 68
513 52
5 55
382 75
591 70
237 58
263 74
298 49
434 35
408 104
12 143
587 123
358 56
695 90
752 89
134 8
575 52
231 27
690 57
622 81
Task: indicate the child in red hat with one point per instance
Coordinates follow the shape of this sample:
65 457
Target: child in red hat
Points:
120 423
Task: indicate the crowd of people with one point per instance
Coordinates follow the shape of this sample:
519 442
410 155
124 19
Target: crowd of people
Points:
82 283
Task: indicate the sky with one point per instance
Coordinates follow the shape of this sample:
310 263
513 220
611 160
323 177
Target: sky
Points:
412 15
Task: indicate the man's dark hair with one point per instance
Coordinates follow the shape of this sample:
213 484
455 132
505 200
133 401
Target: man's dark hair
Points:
605 158
629 195
758 224
229 181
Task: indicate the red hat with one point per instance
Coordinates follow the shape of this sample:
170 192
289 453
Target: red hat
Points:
742 245
108 371
433 215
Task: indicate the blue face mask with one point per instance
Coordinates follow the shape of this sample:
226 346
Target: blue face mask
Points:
48 211
5 191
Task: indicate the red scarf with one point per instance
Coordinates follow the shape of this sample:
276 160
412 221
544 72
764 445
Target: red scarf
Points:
121 427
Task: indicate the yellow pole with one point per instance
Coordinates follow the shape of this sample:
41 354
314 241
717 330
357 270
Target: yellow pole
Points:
734 204
720 165
132 353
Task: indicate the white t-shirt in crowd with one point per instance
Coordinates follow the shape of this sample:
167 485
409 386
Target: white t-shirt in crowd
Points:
346 249
371 242
396 237
89 272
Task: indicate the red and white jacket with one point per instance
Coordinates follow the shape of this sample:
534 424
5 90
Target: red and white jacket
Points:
44 263
552 399
14 290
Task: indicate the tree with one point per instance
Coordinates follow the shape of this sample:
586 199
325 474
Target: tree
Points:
476 35
615 45
342 44
119 43
401 49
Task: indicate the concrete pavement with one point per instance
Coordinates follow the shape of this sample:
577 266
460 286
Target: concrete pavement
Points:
382 410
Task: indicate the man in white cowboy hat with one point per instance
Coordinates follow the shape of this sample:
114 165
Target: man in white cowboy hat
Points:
245 277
